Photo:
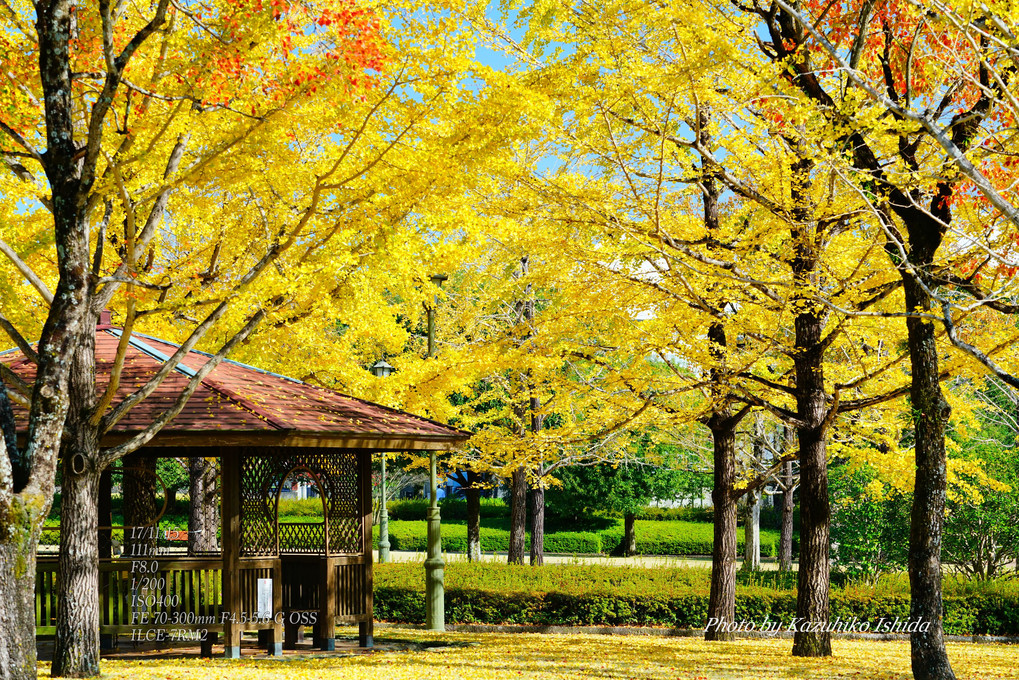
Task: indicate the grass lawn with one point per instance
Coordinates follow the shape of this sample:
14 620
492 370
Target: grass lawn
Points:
498 656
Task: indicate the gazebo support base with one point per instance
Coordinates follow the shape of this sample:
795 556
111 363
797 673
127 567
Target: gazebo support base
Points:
210 639
230 652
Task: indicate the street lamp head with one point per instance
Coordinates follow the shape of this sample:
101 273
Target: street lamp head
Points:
381 369
437 279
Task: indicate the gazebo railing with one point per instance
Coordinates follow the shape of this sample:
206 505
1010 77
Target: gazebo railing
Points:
184 594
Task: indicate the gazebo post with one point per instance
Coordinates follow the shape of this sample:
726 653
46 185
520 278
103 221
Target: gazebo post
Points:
106 640
230 471
366 628
327 606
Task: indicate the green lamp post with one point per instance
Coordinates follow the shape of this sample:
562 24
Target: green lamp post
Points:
435 593
382 369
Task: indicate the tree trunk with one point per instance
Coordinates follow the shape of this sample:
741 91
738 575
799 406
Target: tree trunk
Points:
538 525
140 509
752 533
785 541
630 534
752 516
76 644
203 518
17 594
472 492
518 516
812 609
930 413
722 599
76 647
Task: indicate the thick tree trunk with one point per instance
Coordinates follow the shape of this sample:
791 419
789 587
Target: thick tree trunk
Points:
518 516
203 518
812 609
629 534
930 413
18 541
76 647
472 492
785 541
140 509
722 599
752 533
538 525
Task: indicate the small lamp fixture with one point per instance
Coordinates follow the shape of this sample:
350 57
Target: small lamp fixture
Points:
381 369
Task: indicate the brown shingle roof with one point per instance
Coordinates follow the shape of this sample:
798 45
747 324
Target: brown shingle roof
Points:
237 403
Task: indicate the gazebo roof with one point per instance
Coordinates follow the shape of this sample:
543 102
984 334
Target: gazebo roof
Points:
237 404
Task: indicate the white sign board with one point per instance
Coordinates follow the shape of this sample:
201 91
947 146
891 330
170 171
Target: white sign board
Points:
264 607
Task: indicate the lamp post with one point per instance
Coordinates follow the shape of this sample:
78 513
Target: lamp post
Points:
381 369
435 593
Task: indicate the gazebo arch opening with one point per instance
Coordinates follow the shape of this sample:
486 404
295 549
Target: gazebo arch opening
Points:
295 537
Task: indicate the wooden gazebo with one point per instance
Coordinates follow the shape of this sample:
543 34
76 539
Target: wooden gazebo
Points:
269 577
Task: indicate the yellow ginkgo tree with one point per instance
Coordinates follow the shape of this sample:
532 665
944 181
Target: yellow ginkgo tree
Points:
202 169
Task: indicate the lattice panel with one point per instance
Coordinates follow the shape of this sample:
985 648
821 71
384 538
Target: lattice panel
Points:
258 511
303 538
262 473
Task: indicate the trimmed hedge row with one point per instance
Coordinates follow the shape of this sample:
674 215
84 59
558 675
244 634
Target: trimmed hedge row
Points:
413 536
665 599
451 508
678 538
653 538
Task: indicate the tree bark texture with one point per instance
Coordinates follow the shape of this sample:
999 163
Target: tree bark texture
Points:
930 414
17 595
76 645
629 534
538 525
812 607
722 598
518 516
472 492
140 507
203 516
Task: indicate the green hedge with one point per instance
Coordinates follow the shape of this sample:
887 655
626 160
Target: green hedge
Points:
681 514
677 598
653 538
450 508
678 538
413 536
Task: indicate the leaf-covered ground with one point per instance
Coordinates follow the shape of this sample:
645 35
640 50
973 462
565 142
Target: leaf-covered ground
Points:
484 656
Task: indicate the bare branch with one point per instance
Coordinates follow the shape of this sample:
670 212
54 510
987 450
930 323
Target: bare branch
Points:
23 391
27 272
115 453
19 339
